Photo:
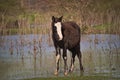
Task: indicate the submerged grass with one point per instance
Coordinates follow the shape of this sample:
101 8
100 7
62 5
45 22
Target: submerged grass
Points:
77 78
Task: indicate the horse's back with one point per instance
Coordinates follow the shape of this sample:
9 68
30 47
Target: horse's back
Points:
71 27
71 33
71 24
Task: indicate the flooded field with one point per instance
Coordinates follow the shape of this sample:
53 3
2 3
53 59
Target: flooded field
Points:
29 56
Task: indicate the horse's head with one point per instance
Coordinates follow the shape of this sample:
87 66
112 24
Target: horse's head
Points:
57 28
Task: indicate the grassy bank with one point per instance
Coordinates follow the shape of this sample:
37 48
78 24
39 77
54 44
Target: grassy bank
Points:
77 78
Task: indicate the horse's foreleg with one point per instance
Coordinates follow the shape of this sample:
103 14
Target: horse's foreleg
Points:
65 61
57 60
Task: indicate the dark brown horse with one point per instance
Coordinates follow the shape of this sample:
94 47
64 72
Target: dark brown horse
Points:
66 36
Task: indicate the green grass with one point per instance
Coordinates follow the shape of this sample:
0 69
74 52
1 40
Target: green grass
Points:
77 78
102 26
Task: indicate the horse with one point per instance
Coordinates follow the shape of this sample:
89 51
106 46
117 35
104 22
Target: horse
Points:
66 36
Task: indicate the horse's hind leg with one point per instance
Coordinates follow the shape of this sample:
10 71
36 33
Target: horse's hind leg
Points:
72 61
79 55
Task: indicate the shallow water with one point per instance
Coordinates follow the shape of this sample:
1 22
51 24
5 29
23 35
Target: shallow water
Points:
28 56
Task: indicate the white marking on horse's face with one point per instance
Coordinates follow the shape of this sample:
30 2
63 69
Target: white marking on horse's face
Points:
59 30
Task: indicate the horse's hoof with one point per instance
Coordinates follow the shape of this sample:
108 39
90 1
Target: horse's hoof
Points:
56 73
66 73
81 68
71 70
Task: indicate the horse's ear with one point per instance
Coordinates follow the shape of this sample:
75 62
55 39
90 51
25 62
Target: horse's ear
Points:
53 18
61 18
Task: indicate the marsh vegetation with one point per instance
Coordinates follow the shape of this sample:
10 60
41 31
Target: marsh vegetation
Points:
30 56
